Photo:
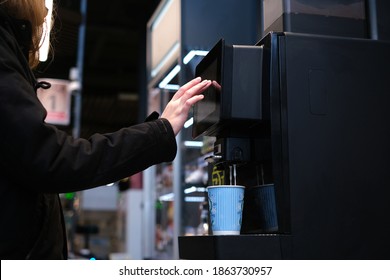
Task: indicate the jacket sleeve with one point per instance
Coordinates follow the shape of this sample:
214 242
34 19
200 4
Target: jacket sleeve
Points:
46 159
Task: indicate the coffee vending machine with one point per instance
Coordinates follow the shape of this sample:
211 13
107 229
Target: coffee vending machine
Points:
302 121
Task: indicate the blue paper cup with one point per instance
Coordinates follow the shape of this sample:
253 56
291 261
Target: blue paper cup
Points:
226 203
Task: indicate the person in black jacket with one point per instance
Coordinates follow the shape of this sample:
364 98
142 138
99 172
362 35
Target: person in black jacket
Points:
38 161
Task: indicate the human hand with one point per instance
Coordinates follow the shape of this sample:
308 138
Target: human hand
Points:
177 109
216 85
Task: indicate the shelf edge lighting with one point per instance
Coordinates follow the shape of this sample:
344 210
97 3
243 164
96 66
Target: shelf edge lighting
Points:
194 189
191 54
164 83
193 144
189 122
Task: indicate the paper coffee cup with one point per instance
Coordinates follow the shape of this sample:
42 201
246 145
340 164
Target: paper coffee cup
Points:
226 203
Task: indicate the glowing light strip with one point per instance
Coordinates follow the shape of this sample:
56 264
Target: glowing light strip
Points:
195 144
167 197
162 13
172 87
194 189
190 55
45 40
194 199
166 58
169 77
189 122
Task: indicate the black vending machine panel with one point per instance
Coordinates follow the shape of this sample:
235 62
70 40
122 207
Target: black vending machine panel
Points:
324 126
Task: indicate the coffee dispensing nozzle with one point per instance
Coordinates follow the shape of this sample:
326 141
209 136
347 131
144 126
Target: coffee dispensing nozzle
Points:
231 151
212 159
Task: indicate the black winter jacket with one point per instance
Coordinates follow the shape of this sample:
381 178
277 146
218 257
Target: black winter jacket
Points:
38 161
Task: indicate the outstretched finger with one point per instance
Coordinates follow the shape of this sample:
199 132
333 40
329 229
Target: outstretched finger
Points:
186 87
191 101
197 89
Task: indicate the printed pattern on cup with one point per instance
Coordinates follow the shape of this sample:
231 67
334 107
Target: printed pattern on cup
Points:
226 206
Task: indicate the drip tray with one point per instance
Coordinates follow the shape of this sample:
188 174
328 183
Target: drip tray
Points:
234 247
